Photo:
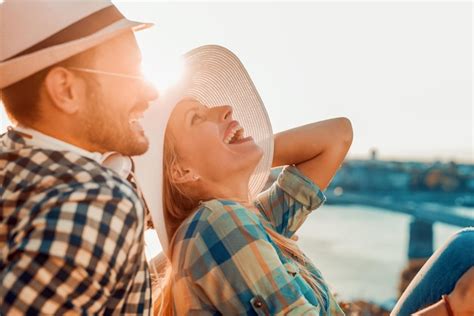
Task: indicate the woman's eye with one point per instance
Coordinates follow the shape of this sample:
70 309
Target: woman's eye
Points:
196 118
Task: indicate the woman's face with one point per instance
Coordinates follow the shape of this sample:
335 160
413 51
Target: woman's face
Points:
210 144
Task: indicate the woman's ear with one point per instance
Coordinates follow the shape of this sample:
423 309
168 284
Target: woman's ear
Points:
183 175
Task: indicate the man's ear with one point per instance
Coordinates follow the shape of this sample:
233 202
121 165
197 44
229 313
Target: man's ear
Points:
63 88
182 175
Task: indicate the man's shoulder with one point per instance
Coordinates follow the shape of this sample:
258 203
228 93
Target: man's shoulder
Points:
64 190
39 170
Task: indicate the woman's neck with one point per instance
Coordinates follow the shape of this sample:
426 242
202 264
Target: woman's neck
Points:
237 191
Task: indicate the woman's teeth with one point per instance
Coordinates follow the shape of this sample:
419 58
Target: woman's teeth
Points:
236 134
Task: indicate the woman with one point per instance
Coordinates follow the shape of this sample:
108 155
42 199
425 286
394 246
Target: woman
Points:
216 228
231 251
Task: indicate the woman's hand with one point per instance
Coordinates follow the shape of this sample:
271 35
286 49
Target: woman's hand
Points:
462 297
317 149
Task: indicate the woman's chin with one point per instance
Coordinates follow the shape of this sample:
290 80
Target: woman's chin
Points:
253 158
248 147
240 162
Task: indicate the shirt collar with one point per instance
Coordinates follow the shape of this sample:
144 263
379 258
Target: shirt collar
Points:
112 160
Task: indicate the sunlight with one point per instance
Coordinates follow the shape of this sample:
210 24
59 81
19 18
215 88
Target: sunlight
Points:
152 244
165 74
4 121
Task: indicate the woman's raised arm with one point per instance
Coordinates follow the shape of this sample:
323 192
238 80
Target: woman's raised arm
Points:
317 149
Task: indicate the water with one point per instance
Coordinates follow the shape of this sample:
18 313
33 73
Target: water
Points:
360 250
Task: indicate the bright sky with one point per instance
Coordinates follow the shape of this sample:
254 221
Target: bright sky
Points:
402 72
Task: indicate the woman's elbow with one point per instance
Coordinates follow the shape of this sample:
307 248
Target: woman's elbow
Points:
345 131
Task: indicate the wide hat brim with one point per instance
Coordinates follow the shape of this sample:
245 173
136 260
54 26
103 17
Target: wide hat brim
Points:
16 69
214 76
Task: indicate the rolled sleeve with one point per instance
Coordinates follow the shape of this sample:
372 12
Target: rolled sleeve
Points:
301 188
287 203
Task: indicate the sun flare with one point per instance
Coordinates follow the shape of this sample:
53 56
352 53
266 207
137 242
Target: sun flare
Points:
165 74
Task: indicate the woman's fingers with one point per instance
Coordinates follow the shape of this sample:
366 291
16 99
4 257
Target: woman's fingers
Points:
462 297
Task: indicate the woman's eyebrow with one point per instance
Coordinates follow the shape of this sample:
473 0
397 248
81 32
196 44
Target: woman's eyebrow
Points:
195 108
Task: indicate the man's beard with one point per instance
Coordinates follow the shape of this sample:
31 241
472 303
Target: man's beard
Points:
109 129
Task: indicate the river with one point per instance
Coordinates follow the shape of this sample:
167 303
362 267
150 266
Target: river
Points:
361 251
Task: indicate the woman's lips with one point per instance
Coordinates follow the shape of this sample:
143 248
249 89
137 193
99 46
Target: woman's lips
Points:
242 140
233 133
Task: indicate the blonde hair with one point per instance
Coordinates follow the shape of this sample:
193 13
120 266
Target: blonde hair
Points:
179 204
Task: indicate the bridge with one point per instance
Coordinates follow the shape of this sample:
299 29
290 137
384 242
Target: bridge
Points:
424 213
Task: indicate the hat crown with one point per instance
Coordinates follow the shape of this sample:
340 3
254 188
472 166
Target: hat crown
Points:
25 23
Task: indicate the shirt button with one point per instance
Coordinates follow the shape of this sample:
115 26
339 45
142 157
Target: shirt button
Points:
258 303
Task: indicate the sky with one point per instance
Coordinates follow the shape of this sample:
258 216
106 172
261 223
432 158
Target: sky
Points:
400 71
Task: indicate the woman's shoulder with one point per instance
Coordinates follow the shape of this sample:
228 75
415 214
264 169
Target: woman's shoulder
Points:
217 230
217 215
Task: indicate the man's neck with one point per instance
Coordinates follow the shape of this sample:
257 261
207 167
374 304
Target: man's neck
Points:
65 132
43 140
121 164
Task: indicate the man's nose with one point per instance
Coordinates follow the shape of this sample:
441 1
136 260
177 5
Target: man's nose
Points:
150 91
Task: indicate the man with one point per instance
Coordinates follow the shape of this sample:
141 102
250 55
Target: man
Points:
71 229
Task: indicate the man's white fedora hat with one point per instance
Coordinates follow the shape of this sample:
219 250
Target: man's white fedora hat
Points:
37 34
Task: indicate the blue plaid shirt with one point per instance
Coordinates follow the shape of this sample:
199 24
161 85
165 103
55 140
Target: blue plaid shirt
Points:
71 235
225 263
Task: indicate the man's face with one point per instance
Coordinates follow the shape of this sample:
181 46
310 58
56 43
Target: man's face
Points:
114 104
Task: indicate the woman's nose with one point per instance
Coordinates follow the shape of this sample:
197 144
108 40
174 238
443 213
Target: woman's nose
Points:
219 114
226 112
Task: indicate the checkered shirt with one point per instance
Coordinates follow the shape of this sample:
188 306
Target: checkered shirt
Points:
71 235
225 262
